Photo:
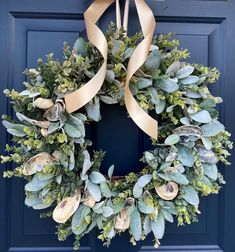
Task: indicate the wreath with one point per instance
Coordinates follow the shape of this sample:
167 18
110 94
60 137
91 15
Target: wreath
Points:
63 172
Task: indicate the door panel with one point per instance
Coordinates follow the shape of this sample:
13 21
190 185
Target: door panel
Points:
33 29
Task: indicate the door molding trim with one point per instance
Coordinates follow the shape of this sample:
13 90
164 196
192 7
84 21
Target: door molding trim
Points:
192 248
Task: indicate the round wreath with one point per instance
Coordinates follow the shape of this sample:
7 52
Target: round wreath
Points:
51 149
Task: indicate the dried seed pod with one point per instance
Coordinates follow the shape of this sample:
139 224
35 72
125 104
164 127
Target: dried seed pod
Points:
168 191
67 207
37 163
188 130
41 124
122 221
56 113
88 200
129 202
170 170
207 156
43 103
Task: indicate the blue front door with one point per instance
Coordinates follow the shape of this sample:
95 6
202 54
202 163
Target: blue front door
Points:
32 29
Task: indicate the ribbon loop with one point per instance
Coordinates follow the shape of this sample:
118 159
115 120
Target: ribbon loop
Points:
86 93
138 58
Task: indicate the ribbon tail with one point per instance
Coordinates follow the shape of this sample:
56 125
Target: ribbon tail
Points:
138 58
86 93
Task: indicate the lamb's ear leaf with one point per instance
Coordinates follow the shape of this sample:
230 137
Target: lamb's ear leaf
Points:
202 116
147 225
184 72
135 225
81 47
97 177
93 110
94 190
110 171
87 162
14 129
78 223
105 190
158 226
154 60
190 195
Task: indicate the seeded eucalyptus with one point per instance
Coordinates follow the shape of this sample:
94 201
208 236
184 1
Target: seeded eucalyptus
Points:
50 147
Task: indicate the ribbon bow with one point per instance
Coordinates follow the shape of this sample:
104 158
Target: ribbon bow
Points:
86 93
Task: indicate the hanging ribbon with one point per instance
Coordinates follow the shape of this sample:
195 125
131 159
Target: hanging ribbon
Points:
138 58
86 93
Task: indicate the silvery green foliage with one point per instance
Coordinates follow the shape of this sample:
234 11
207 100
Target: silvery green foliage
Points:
191 139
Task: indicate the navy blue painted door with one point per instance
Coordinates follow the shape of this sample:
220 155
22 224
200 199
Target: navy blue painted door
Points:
31 29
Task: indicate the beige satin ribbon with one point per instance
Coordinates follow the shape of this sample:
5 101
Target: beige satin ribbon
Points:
138 58
84 94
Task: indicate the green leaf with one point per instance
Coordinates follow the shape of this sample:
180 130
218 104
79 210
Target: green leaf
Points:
145 208
79 224
97 177
190 80
178 178
14 129
135 225
168 85
147 225
108 99
172 139
32 201
105 190
127 54
36 184
173 68
110 171
202 116
208 103
93 111
117 207
167 216
159 108
190 195
185 121
137 190
151 159
140 184
72 131
143 83
81 47
207 143
98 208
144 180
42 206
158 226
211 171
77 123
185 156
94 190
153 61
110 76
184 72
153 95
107 211
87 162
212 129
